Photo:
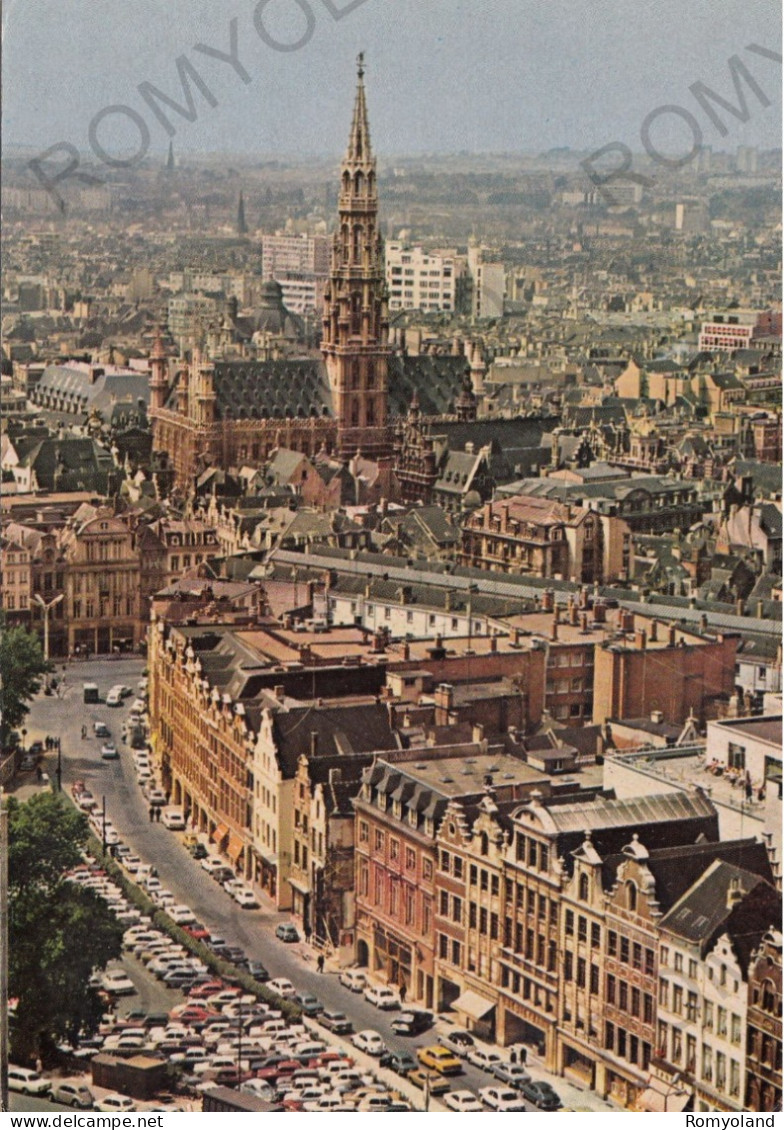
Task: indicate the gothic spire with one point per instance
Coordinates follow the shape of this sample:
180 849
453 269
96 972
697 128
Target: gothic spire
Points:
359 150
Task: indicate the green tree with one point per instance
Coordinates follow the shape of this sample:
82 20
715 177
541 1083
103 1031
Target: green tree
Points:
22 664
59 932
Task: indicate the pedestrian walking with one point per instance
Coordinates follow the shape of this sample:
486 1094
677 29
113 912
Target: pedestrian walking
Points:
39 773
84 732
403 991
320 963
513 1055
152 814
158 815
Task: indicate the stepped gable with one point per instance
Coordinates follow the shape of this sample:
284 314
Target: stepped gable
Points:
271 390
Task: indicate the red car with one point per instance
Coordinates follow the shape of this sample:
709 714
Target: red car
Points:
285 1067
201 992
198 932
231 1077
194 1014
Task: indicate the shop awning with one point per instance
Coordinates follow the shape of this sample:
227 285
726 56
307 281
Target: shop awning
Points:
657 1102
299 885
271 860
473 1005
220 834
236 847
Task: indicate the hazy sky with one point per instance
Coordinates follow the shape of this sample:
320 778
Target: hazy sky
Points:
442 75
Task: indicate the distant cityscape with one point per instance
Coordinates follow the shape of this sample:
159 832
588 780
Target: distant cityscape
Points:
437 505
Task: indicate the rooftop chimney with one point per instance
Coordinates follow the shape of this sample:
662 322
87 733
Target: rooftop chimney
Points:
279 692
654 631
657 717
494 643
671 636
641 639
735 893
313 743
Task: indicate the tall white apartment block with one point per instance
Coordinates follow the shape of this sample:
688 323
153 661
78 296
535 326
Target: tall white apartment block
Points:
418 280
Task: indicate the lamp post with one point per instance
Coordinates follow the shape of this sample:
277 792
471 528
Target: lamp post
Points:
47 609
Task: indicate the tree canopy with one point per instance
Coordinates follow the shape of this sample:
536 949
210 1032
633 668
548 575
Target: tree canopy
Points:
59 932
23 665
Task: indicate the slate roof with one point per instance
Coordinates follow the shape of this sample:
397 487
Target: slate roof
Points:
360 727
75 393
71 463
437 379
260 390
705 912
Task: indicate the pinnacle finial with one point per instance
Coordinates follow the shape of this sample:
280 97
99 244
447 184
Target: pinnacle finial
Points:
360 64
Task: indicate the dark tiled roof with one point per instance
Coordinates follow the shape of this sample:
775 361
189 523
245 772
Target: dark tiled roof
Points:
259 390
677 868
338 730
437 380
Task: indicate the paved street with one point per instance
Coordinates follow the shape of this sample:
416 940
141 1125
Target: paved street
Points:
252 929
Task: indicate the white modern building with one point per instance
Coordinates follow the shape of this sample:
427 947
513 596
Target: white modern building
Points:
419 280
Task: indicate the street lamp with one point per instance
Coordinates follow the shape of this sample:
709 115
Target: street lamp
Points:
47 609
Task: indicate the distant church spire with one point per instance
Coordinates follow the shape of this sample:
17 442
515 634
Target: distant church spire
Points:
242 227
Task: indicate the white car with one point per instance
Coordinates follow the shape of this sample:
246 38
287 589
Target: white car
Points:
245 897
369 1042
181 914
463 1101
114 1102
382 996
27 1081
87 802
211 863
118 982
502 1098
173 819
282 986
353 979
138 706
484 1058
114 698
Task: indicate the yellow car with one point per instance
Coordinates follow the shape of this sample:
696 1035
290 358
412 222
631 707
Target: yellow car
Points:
440 1059
424 1079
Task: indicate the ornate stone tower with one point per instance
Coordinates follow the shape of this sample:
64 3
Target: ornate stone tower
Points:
159 373
354 340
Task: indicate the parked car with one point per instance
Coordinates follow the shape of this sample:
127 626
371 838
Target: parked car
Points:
109 751
114 698
440 1059
245 898
412 1022
181 914
502 1099
382 997
287 932
101 730
73 1094
27 1081
399 1062
283 987
541 1094
258 972
436 1084
336 1022
485 1058
309 1003
115 1102
353 979
465 1101
369 1042
117 982
156 797
510 1073
458 1041
172 818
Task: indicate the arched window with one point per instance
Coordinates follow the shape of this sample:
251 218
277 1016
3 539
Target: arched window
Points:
370 413
768 997
359 184
355 413
371 375
484 843
355 374
631 896
347 181
356 313
357 243
583 888
344 242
